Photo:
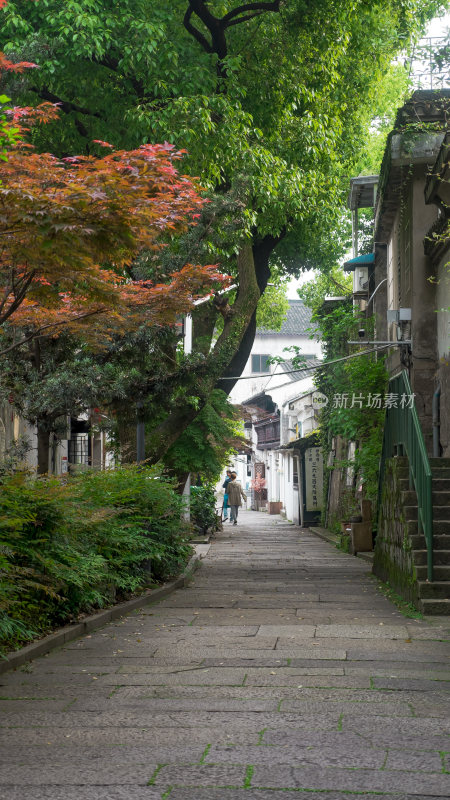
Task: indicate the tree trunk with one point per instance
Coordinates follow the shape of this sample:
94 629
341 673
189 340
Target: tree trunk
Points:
204 321
236 323
261 255
43 449
126 431
231 351
181 477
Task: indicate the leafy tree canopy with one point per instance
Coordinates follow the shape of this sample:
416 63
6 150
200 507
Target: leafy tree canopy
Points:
272 100
272 308
270 96
335 283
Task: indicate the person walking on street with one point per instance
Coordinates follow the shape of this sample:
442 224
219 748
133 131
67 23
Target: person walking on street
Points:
225 497
235 493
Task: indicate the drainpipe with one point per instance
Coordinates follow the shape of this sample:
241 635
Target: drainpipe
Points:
436 421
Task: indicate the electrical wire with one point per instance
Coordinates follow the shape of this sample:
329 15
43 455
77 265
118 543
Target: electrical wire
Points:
310 369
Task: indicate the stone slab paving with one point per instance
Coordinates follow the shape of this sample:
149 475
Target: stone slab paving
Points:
280 671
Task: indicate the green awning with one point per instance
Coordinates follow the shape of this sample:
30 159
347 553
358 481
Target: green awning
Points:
359 261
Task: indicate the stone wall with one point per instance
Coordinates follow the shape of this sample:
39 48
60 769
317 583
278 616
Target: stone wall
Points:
443 331
393 557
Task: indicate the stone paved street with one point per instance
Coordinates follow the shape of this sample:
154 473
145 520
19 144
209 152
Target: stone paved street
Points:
279 672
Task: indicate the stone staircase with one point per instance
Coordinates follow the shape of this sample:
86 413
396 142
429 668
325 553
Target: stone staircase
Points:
434 598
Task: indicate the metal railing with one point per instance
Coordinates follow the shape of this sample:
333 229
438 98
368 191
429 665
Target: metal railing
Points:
429 63
403 436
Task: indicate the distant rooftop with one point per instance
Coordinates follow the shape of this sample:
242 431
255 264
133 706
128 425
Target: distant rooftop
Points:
297 322
300 374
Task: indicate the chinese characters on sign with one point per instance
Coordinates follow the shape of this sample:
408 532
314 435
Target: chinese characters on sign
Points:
314 478
344 400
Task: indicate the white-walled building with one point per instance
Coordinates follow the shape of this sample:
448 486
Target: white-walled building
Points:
295 331
283 441
279 399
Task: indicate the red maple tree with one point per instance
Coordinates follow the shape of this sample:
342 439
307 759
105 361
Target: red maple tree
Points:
63 220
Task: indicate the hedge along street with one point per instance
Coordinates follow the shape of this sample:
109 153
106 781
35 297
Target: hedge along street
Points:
94 621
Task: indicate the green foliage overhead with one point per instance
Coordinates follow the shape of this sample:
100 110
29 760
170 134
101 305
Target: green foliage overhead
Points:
279 115
274 118
207 443
272 308
333 283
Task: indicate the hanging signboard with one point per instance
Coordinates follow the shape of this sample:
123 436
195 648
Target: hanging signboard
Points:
314 478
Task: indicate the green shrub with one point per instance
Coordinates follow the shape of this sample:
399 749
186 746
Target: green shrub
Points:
203 507
71 546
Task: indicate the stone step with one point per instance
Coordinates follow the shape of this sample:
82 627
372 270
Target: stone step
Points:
438 590
435 606
441 572
441 498
409 498
441 484
441 527
441 557
411 513
438 484
441 542
440 513
441 472
439 462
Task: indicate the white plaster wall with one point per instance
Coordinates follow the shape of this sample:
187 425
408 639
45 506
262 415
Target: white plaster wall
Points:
302 413
281 391
392 274
271 472
287 485
273 345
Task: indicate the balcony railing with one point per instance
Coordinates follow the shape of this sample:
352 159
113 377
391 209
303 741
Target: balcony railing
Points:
268 431
429 63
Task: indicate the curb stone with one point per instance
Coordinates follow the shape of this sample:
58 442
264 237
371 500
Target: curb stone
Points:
97 620
327 536
369 556
324 534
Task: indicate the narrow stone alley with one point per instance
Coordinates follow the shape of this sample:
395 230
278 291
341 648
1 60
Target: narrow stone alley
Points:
279 671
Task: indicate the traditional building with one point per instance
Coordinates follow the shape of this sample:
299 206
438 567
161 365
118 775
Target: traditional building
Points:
408 292
296 330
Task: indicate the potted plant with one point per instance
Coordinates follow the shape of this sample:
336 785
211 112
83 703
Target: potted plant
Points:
258 485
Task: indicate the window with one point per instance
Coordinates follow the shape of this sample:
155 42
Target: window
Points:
268 432
295 472
259 363
79 448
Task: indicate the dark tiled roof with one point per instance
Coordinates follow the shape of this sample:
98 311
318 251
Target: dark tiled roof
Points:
299 375
297 322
